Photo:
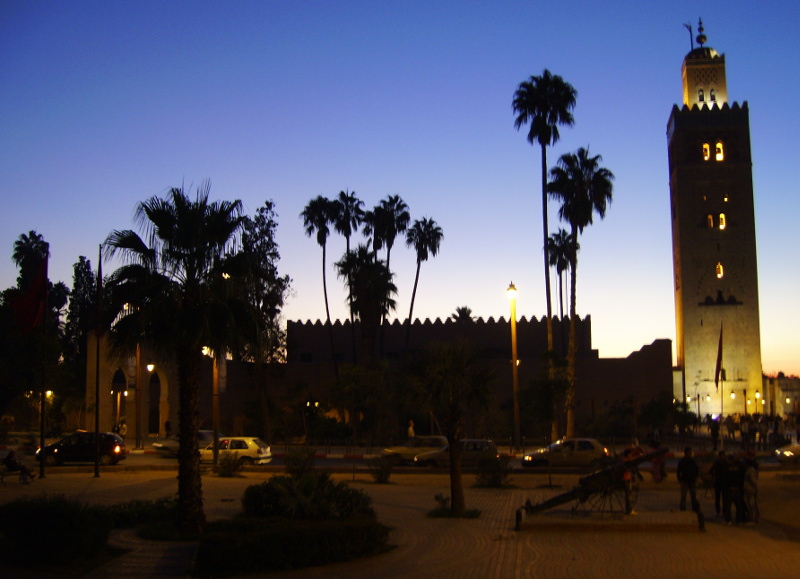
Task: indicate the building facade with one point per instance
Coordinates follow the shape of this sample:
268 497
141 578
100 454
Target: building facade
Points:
718 340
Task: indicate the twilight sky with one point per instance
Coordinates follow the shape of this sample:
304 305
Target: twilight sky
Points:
105 104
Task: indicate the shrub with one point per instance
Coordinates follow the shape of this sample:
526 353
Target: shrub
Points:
313 496
138 512
493 473
69 529
248 545
380 468
299 461
228 465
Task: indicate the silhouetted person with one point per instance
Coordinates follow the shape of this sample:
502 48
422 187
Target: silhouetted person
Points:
687 474
14 465
719 471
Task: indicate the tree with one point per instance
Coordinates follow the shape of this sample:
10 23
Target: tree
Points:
424 236
371 289
463 314
559 251
449 380
584 188
29 251
317 216
348 216
168 282
543 103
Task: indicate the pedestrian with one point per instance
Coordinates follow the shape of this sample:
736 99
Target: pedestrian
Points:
750 488
730 427
732 495
411 433
658 467
744 426
687 474
713 428
123 429
719 472
168 427
13 464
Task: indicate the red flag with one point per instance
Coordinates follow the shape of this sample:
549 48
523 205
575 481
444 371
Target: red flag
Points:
29 306
718 370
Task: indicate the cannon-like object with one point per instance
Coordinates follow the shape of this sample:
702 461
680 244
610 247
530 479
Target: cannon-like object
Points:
602 490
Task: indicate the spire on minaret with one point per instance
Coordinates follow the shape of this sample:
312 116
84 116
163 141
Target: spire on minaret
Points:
701 38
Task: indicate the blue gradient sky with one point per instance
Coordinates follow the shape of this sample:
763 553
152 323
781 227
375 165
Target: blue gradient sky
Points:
104 104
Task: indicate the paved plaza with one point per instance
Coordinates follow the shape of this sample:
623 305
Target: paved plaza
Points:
657 542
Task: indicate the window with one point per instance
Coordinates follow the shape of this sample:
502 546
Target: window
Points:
722 221
720 271
710 220
719 154
712 96
706 152
700 96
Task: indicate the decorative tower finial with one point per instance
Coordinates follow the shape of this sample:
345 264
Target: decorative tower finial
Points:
701 38
691 38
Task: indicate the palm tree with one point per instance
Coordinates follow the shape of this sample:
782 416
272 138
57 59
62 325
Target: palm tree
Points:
29 251
544 102
348 216
559 251
371 286
424 236
463 314
396 221
584 188
317 216
169 280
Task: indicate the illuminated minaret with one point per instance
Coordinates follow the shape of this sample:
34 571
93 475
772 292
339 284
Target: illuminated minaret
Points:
714 241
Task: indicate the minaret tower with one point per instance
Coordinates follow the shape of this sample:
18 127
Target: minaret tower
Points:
714 242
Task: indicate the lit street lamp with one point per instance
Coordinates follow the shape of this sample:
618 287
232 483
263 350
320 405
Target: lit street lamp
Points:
511 292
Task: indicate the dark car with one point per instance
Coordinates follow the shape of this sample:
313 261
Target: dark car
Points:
583 452
82 447
169 446
473 453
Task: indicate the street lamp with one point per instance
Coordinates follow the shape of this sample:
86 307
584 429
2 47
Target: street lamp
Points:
511 292
214 400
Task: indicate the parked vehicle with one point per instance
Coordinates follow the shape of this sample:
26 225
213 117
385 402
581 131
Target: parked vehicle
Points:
169 446
585 452
473 453
413 446
248 449
82 447
788 453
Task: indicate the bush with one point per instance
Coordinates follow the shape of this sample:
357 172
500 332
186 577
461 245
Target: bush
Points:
228 465
138 512
313 496
299 461
493 473
250 545
69 529
380 468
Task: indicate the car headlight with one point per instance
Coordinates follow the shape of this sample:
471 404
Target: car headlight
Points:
527 457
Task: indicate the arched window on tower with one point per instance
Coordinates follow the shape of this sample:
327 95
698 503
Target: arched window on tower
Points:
720 271
712 96
722 221
700 96
710 221
719 155
706 151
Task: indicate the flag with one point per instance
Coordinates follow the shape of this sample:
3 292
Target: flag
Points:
718 370
30 305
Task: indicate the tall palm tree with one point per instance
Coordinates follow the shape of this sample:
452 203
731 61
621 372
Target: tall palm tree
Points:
424 236
372 288
348 216
463 314
584 188
544 102
168 279
396 221
29 251
317 216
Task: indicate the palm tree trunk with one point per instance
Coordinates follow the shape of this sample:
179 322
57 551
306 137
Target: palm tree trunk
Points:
328 314
551 371
350 303
191 517
572 351
411 310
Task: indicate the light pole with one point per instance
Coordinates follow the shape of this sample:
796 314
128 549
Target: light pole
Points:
511 292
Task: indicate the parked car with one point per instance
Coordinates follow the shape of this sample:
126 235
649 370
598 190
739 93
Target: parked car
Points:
568 452
82 447
473 453
788 453
248 449
413 446
169 446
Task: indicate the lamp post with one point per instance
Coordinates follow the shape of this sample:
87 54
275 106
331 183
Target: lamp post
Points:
511 292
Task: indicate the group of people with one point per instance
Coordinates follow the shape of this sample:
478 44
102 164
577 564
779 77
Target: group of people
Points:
736 487
757 432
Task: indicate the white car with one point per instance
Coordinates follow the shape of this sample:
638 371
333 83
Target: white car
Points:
248 450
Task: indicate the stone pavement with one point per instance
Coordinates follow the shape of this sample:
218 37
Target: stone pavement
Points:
658 542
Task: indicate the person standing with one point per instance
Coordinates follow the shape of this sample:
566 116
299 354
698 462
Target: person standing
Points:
719 471
631 453
687 474
411 432
750 488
